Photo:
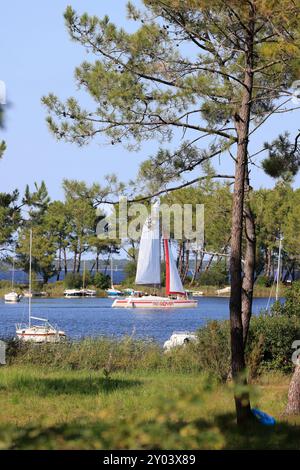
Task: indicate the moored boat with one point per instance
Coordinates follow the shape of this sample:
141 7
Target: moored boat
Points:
152 301
73 293
149 272
43 332
12 298
113 292
179 338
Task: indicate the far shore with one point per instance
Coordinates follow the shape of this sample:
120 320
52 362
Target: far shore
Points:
56 290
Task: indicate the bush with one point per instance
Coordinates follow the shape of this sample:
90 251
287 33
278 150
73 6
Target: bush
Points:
264 281
269 348
215 276
73 281
292 300
213 348
102 281
276 335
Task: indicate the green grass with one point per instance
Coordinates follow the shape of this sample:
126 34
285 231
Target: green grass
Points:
42 408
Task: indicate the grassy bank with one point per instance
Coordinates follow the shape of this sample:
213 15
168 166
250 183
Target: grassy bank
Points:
56 289
44 408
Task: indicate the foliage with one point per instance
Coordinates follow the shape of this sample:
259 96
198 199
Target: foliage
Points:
73 281
276 335
10 218
291 306
283 159
217 275
101 280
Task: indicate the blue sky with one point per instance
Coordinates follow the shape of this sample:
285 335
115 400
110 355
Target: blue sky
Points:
37 57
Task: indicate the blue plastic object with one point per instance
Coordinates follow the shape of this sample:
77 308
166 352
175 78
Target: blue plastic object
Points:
263 418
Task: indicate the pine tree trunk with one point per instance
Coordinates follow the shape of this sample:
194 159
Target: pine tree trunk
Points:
293 406
195 269
97 262
249 265
209 263
269 263
242 122
65 261
59 264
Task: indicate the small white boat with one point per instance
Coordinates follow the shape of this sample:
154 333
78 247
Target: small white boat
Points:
179 338
12 298
73 293
45 333
197 293
41 333
112 292
149 272
88 292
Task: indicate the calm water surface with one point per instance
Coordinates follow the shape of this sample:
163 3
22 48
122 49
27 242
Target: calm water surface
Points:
94 317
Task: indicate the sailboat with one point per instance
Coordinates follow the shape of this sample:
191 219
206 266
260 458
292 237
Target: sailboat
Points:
41 333
149 271
12 297
83 292
86 292
112 291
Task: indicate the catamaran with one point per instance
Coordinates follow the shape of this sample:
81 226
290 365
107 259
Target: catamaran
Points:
41 333
12 297
149 271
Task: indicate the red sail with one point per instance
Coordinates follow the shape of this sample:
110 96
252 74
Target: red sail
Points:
167 258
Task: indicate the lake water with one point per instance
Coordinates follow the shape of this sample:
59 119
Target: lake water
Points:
95 317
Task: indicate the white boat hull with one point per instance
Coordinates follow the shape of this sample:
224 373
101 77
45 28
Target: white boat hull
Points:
12 298
154 302
40 334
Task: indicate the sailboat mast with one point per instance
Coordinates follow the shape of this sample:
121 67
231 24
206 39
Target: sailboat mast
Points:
30 275
83 275
167 261
278 267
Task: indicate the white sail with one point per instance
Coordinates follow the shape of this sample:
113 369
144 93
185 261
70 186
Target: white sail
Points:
148 267
173 281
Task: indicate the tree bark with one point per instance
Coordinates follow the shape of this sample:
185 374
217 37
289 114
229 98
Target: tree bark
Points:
65 261
242 122
249 264
268 263
293 406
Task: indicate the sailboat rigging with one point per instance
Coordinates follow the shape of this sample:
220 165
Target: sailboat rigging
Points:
112 291
149 271
44 333
12 297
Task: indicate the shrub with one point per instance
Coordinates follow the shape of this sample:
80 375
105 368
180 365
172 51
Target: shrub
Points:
275 335
101 280
213 348
215 276
73 281
292 300
264 281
